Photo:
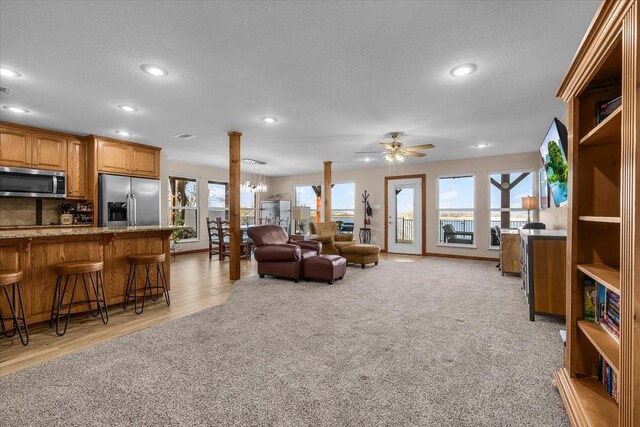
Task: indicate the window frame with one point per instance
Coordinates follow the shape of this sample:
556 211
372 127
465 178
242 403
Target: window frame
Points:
473 175
196 208
345 210
227 208
534 188
312 208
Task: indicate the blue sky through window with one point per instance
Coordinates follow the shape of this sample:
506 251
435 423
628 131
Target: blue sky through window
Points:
456 192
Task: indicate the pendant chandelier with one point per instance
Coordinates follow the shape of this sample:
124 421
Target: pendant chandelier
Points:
254 181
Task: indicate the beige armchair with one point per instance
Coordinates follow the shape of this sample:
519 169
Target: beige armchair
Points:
332 242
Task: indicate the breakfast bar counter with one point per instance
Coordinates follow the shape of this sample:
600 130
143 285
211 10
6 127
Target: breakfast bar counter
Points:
36 251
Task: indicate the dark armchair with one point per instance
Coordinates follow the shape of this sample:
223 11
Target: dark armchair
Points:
453 236
277 254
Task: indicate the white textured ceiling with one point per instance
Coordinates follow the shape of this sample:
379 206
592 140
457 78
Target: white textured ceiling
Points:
338 76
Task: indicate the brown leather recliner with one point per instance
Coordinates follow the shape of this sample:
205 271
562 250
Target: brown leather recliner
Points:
277 254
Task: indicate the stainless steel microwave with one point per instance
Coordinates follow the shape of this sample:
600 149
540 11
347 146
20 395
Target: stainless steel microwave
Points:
20 182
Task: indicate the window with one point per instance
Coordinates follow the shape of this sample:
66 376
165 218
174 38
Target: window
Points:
218 200
455 209
343 198
506 192
247 207
183 205
310 196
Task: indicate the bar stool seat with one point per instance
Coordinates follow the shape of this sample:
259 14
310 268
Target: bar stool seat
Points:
11 279
133 291
146 259
78 267
94 294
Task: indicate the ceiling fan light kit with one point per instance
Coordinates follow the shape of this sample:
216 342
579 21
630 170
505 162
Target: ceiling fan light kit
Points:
396 153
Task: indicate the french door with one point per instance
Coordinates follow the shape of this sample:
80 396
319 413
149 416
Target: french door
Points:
404 216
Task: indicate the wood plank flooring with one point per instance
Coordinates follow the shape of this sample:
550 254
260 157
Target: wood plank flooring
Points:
196 284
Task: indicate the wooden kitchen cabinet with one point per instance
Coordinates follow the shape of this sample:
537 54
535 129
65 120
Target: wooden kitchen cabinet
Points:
15 147
49 152
145 161
125 158
76 169
113 157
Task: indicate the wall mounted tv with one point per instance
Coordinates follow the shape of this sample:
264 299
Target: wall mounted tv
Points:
554 157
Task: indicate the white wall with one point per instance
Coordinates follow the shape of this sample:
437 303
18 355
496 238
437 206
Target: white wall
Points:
372 180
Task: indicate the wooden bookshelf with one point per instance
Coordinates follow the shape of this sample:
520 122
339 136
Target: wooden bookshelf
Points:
593 407
608 276
607 132
606 345
603 232
607 219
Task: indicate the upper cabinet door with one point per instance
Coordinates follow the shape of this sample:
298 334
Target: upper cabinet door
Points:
49 152
15 147
76 169
145 162
114 157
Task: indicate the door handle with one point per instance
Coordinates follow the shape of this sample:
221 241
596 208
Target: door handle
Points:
129 208
135 210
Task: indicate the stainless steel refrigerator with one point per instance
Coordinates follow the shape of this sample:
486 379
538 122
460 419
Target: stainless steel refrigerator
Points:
124 200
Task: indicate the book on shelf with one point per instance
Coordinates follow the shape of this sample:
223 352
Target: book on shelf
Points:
608 310
590 299
608 378
605 108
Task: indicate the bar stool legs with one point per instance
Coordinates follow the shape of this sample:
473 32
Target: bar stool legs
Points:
93 291
133 291
14 300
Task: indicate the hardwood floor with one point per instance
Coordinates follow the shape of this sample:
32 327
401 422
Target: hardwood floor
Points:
196 282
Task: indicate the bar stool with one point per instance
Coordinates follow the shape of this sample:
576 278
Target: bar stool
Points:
132 283
11 279
75 269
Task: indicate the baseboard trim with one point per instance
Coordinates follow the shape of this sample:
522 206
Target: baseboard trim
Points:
193 251
474 258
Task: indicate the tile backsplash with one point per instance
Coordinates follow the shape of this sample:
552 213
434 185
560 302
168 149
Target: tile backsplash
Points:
22 211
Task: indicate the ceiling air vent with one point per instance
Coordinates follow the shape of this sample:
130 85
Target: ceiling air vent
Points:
4 89
184 136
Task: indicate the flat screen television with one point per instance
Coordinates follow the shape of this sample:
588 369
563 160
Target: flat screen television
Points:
554 157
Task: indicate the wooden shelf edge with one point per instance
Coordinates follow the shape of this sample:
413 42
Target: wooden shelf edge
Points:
601 134
608 347
605 219
607 275
586 401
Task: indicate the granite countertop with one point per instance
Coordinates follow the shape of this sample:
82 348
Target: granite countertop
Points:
78 231
37 227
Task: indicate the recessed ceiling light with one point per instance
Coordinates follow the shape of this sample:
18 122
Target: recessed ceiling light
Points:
184 136
367 159
128 108
123 133
463 70
7 72
254 162
481 145
154 70
269 120
15 109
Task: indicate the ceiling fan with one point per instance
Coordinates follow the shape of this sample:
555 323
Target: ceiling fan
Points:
395 152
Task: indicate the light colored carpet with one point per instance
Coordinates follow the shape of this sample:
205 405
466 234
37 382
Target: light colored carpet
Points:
437 342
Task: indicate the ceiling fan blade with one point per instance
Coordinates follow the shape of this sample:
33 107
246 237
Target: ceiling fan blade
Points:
420 147
413 154
387 145
369 152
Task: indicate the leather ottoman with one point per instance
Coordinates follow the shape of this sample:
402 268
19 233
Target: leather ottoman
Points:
324 267
361 254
